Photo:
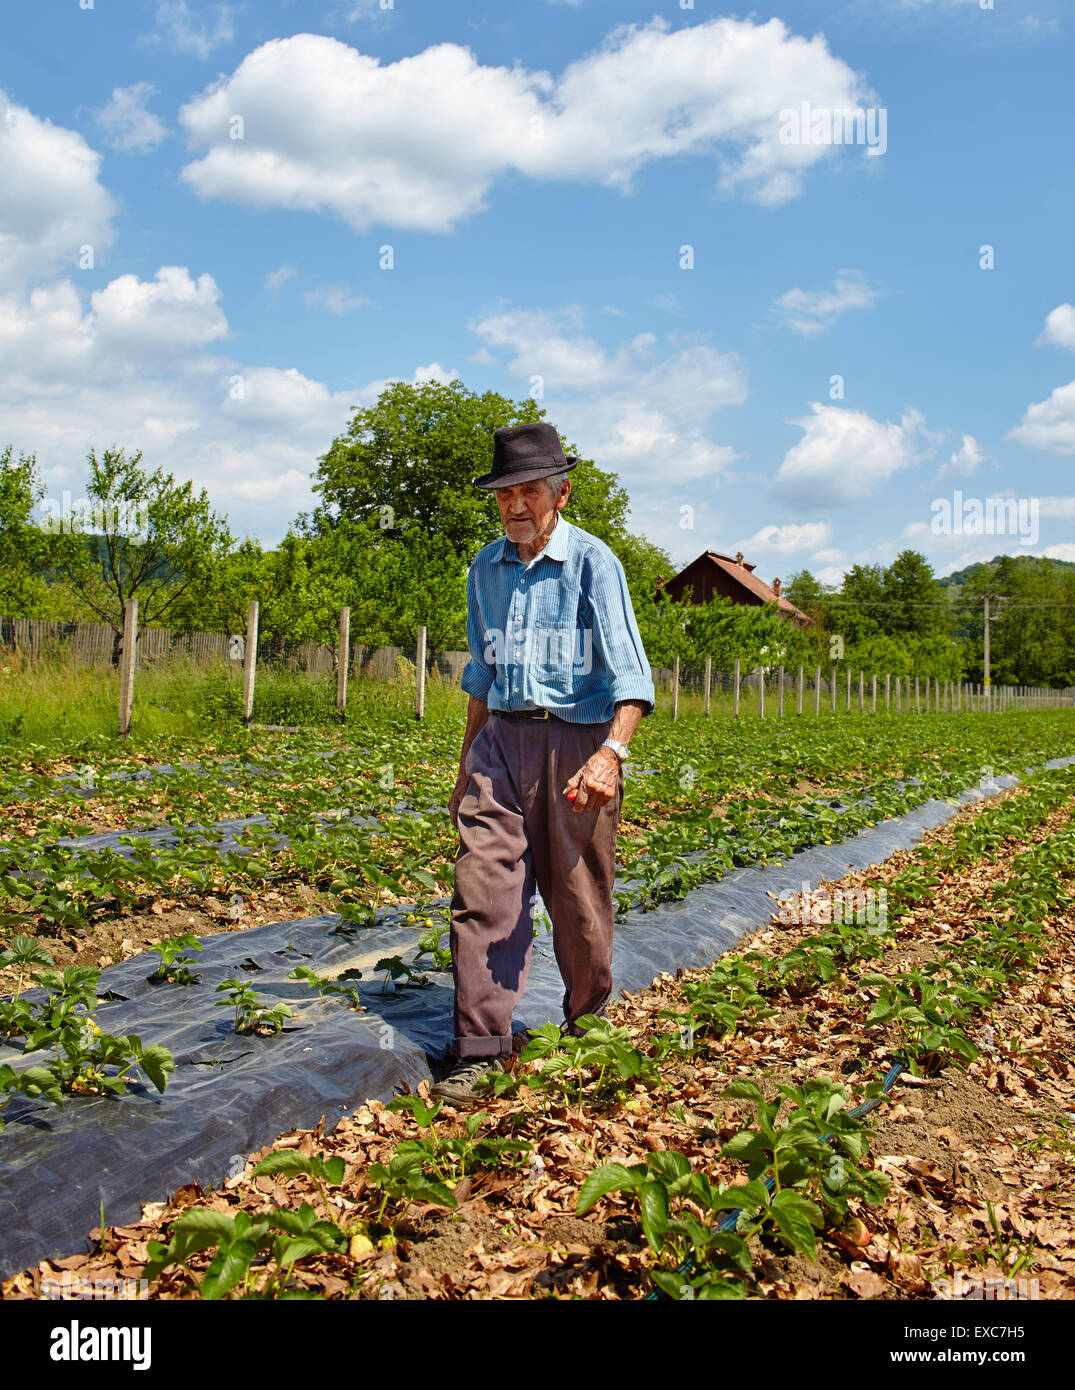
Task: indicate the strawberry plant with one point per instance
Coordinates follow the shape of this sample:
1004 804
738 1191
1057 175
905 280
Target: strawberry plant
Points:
567 1062
283 1235
315 1166
820 1149
323 985
429 944
396 969
927 1014
252 1015
726 998
36 1082
173 966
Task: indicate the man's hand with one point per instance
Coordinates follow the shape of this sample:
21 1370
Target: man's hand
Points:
595 782
457 796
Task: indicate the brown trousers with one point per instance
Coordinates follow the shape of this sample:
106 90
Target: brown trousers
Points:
516 827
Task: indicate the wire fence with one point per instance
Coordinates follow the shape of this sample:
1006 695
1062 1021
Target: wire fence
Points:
276 683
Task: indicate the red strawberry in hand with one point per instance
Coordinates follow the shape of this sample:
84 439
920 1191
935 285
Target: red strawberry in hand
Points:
572 793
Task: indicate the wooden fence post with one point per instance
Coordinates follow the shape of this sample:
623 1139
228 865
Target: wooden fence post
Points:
799 692
780 695
708 681
761 692
126 675
250 661
873 692
675 687
735 689
847 704
817 692
888 691
343 661
420 675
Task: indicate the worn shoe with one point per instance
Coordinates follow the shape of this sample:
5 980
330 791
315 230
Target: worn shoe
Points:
459 1084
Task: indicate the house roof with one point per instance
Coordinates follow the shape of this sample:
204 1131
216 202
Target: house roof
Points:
743 573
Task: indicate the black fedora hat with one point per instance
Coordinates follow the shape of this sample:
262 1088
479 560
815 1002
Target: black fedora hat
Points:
525 453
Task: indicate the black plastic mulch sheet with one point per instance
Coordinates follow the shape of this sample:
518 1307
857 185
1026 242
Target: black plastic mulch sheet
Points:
231 1095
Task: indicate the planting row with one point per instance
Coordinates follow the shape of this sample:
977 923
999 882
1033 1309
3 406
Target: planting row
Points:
794 1169
698 814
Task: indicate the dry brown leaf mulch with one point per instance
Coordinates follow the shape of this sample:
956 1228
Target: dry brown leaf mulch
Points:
999 1133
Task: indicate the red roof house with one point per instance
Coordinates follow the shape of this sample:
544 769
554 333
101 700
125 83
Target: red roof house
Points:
714 574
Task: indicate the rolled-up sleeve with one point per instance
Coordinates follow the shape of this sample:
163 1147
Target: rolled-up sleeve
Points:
478 674
616 639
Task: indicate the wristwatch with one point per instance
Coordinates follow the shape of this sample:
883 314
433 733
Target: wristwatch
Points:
620 749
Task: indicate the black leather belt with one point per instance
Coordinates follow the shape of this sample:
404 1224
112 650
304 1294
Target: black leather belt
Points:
524 713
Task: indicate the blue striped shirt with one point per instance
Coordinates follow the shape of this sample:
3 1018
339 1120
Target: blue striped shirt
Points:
558 633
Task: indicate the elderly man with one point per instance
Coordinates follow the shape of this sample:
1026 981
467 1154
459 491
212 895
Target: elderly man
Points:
558 682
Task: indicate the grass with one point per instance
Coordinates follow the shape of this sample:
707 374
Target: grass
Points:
55 706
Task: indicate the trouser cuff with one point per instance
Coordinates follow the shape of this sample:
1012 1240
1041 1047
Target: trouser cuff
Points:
495 1046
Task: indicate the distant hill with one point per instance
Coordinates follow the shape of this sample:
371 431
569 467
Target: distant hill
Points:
957 579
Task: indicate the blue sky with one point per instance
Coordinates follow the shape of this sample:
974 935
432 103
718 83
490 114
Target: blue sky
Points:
197 196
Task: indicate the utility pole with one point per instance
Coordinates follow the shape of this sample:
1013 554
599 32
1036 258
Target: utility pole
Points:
985 680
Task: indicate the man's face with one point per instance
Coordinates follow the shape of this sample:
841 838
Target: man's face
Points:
527 510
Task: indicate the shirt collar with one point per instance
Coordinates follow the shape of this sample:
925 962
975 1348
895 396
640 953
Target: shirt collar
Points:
555 550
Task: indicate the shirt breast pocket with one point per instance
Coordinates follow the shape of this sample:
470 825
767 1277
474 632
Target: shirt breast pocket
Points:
563 653
554 654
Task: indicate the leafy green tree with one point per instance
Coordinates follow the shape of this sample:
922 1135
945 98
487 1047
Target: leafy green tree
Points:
809 595
22 587
147 537
916 601
410 460
1032 628
400 510
860 610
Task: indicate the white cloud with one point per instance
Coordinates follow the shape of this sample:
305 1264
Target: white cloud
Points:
482 358
1049 425
187 34
812 311
411 143
1060 508
844 456
964 462
335 298
133 365
1065 551
787 540
165 316
631 409
831 555
52 202
127 123
366 12
1059 330
280 276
